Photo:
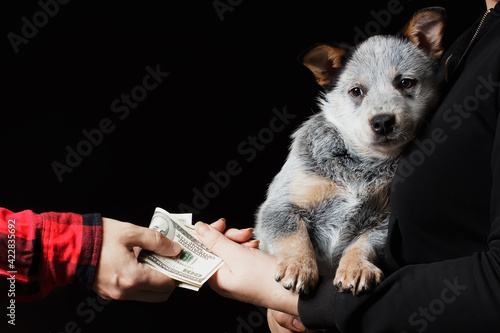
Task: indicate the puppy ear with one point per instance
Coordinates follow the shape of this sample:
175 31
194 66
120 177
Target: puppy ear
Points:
425 29
324 61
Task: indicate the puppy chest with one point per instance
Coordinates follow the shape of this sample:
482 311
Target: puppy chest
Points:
310 191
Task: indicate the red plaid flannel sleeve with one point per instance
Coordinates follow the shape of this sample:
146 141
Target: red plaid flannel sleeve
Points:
48 250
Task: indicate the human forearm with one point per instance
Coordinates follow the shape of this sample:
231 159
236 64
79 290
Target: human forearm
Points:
449 296
51 249
248 274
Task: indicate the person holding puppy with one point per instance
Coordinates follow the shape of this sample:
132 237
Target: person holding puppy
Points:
442 258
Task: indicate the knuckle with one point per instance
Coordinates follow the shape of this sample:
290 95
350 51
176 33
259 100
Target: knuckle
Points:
279 317
159 239
129 232
213 242
126 283
117 294
161 244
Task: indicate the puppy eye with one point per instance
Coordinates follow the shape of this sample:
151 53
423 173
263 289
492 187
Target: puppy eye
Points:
356 92
406 83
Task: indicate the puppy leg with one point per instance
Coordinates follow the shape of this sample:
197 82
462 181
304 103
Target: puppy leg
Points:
356 271
297 269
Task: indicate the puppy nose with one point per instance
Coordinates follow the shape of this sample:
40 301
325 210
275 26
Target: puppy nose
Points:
383 124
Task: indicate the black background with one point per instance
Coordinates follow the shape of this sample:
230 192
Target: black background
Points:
226 77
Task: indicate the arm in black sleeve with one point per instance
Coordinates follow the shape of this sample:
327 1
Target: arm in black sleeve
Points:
451 296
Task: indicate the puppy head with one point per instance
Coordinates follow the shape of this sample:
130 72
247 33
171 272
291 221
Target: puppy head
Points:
379 95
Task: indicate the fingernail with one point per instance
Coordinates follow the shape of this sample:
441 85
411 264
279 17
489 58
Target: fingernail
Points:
255 243
298 324
201 229
176 247
222 219
250 229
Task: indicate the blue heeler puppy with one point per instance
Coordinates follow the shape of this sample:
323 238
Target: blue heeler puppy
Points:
328 207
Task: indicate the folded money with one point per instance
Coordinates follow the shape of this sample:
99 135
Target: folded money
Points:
195 264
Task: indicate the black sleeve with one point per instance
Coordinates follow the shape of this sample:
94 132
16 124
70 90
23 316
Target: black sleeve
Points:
457 295
461 295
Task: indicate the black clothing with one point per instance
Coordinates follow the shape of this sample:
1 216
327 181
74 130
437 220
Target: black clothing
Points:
442 260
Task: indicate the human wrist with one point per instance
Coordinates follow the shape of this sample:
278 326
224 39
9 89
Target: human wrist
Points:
285 301
91 250
273 295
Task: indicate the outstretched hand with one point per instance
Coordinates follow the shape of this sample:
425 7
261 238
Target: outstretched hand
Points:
248 273
121 276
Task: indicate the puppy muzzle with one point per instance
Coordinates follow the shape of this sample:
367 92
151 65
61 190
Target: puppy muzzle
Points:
383 124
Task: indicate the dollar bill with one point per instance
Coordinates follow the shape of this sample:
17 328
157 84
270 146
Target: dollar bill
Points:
195 264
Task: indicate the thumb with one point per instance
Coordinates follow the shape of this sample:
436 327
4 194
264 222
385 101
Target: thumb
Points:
286 321
154 241
216 241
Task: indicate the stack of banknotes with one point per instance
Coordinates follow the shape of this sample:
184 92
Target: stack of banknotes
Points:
195 264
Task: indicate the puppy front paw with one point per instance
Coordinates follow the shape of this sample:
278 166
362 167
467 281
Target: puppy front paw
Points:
297 273
357 275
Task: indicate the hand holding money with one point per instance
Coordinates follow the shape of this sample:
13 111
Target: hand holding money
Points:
118 275
195 264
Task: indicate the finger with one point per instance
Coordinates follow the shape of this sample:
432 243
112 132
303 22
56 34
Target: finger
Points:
239 235
152 240
219 225
286 321
236 235
217 242
254 244
274 327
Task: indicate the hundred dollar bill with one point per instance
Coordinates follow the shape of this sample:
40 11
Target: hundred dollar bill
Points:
195 264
